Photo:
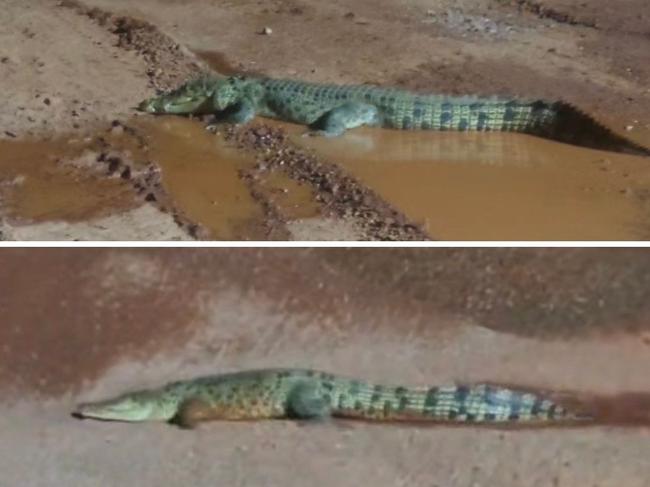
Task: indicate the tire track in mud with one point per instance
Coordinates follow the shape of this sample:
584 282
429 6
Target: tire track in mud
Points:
340 195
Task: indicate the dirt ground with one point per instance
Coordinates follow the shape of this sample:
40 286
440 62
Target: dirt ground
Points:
81 324
73 67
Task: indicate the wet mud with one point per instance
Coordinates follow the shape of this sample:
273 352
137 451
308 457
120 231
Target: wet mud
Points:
201 176
249 182
338 194
43 180
498 186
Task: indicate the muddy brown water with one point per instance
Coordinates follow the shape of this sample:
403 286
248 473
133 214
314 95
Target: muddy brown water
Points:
39 182
465 186
459 186
200 173
45 180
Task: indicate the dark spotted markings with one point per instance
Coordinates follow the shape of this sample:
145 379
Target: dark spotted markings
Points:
515 407
483 119
388 407
536 407
460 398
431 400
355 388
445 120
509 115
403 403
401 393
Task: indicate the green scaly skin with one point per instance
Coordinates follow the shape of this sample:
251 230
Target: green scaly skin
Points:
332 109
310 394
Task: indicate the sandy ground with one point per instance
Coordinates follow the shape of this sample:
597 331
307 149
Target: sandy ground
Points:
133 318
73 67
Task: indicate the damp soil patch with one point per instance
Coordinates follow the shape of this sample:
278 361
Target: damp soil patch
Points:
464 186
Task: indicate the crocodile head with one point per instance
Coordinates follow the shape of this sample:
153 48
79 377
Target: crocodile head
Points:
202 95
192 97
135 406
228 91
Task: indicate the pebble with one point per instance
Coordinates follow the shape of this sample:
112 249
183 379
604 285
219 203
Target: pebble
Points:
266 31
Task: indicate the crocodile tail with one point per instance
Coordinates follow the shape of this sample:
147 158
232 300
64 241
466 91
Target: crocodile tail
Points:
573 126
487 403
481 403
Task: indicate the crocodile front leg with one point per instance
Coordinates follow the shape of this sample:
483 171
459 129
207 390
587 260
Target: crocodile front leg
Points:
241 113
306 402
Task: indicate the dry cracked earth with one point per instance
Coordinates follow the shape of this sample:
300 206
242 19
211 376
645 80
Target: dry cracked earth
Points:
71 72
83 324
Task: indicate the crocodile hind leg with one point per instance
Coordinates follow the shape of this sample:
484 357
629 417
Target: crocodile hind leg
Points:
305 401
347 116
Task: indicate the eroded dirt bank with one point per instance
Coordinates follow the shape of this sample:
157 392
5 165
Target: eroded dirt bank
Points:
80 324
73 67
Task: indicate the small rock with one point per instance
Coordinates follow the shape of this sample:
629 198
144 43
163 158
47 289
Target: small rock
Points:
629 127
266 31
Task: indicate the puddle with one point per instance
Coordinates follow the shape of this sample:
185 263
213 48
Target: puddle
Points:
466 186
63 180
39 182
460 186
201 174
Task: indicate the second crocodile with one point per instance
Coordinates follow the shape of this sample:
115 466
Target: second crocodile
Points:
311 394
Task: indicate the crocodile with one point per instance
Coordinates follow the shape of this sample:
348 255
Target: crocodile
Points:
305 394
330 109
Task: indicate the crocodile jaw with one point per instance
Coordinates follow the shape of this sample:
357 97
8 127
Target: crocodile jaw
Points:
132 408
173 105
